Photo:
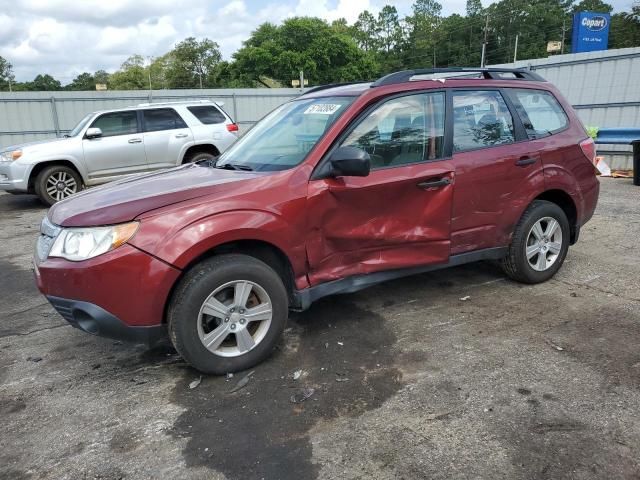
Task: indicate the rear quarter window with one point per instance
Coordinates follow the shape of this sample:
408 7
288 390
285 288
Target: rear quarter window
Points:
540 112
208 114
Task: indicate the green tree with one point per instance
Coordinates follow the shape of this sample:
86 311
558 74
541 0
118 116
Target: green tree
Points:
191 62
84 81
366 31
44 83
422 24
7 78
131 76
302 43
101 77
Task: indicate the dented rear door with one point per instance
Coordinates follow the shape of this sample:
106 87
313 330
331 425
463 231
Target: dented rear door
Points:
399 216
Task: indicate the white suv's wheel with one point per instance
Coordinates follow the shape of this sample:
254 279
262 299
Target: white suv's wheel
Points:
56 183
227 313
539 245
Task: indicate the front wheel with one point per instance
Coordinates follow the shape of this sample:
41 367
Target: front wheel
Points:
56 183
227 313
539 245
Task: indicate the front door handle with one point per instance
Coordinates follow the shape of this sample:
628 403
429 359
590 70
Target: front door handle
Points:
439 182
524 161
135 140
181 135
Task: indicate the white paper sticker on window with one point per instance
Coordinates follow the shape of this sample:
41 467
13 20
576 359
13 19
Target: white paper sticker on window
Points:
322 109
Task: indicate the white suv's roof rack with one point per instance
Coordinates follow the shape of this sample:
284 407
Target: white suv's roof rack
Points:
180 102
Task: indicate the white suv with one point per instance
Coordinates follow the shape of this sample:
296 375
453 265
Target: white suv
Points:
109 144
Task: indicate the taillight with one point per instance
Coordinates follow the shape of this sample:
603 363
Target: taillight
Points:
232 127
588 147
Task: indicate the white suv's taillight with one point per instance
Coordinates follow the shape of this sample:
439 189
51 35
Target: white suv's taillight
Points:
232 127
588 147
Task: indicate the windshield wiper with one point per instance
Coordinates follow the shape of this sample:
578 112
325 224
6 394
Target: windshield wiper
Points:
234 166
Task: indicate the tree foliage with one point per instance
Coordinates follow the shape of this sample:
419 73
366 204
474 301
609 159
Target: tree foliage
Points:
6 74
375 44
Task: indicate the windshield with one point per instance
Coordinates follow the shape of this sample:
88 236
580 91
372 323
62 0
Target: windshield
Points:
283 138
78 128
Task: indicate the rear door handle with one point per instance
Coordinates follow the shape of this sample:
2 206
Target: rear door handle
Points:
135 140
524 161
181 135
439 182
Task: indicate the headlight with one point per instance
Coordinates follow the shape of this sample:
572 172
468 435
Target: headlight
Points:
77 244
11 155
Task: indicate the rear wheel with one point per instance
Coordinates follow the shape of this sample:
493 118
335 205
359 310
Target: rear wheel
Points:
539 245
227 313
56 183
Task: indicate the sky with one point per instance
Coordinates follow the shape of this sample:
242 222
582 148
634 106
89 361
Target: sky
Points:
65 38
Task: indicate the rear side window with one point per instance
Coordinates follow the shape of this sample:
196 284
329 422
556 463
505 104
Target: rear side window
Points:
540 112
116 123
162 119
208 114
480 119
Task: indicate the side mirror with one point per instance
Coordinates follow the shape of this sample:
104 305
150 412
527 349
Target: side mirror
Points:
93 133
350 162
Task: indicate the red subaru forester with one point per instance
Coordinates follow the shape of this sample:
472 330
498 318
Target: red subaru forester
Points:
341 188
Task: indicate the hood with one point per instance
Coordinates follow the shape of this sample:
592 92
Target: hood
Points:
34 145
124 200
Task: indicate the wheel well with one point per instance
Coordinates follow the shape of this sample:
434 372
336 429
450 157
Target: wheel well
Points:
41 166
263 251
204 148
566 203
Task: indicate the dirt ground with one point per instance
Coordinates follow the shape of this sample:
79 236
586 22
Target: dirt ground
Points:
411 381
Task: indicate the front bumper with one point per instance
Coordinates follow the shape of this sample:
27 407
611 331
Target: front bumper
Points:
120 294
14 176
95 320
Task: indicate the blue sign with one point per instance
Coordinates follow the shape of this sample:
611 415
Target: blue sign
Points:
590 32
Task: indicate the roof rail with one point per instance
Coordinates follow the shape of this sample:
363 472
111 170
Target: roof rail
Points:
179 102
331 85
487 73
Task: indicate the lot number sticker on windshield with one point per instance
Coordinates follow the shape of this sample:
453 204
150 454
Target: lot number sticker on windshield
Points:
322 109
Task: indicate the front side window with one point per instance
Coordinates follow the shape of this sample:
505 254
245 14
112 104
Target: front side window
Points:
480 119
117 123
402 130
207 114
283 138
540 112
160 119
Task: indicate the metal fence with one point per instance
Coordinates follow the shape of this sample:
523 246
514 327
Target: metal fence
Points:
29 116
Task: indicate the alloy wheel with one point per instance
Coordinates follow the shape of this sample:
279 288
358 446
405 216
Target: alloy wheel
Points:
60 185
235 318
544 244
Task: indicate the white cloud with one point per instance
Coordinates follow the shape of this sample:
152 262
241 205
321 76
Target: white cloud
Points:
65 38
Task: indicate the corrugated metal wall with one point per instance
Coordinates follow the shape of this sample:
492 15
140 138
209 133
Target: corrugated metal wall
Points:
28 116
603 87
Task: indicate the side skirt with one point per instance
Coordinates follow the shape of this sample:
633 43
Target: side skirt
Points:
302 299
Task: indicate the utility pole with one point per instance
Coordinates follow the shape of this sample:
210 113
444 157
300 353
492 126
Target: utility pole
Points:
564 29
484 44
149 73
515 50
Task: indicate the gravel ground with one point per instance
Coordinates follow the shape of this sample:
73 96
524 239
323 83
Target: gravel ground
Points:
410 381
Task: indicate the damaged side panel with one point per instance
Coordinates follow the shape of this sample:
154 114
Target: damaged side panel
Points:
360 225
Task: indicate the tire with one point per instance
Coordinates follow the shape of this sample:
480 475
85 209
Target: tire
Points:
534 255
199 157
191 323
49 191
